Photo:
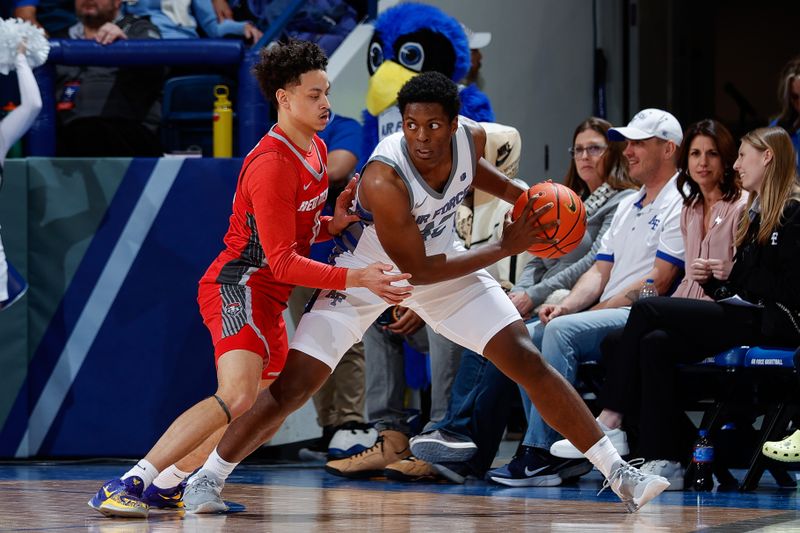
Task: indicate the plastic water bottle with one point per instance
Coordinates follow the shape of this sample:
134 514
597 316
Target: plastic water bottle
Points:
648 289
703 463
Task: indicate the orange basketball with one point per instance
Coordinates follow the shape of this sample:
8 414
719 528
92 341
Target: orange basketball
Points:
567 208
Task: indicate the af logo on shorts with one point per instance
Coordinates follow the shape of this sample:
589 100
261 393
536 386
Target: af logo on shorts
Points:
233 308
335 297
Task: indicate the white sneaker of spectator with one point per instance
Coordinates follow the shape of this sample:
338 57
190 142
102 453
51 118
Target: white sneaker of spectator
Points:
671 470
351 438
566 450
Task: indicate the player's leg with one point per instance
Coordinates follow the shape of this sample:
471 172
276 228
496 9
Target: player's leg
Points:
237 375
166 492
505 341
302 376
322 337
563 409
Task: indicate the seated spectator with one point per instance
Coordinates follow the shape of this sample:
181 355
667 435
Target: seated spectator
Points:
108 111
664 332
325 22
712 207
598 173
477 40
180 19
789 98
55 16
642 242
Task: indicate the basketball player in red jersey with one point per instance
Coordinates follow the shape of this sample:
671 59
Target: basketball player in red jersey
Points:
276 217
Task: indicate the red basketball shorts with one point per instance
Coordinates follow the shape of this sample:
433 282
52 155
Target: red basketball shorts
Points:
237 321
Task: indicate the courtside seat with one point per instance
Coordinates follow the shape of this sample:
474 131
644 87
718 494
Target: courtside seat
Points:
774 373
187 111
770 357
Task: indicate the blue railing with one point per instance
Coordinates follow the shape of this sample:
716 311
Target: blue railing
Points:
252 108
253 116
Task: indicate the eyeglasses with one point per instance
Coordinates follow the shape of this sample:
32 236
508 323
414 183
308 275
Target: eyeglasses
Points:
593 150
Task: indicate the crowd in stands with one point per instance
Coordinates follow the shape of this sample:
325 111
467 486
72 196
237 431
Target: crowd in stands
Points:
702 216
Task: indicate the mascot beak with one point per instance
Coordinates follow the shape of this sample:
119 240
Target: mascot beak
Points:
384 85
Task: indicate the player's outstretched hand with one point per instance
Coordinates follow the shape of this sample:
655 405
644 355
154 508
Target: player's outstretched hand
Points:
521 234
342 215
375 278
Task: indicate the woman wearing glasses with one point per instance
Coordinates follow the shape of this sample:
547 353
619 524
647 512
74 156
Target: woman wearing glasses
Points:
598 173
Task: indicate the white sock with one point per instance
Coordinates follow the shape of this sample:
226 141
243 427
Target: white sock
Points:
143 469
218 466
603 455
170 477
604 427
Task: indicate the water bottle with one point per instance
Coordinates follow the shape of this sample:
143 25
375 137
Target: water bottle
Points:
223 123
648 289
702 479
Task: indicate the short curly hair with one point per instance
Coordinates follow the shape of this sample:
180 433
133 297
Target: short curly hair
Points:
430 88
281 65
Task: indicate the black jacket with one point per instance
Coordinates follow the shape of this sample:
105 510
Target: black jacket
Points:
769 274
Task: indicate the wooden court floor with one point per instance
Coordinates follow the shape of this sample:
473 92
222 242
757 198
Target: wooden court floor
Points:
302 498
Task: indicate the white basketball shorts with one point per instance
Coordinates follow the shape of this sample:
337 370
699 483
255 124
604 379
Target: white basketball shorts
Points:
469 311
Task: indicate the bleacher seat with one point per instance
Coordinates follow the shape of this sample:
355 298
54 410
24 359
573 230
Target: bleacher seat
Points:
187 111
759 380
737 382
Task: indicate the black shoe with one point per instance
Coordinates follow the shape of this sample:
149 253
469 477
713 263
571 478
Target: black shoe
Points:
535 467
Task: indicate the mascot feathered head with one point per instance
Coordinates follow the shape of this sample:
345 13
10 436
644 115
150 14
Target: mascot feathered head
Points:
411 38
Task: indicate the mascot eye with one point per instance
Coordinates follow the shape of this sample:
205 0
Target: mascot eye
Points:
412 56
375 57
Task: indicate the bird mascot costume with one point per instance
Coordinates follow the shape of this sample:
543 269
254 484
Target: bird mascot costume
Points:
411 38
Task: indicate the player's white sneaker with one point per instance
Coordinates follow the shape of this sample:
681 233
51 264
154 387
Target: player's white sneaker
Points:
202 494
634 487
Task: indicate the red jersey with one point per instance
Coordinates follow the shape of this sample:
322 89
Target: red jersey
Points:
276 217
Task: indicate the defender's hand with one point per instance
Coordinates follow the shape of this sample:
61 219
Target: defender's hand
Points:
342 215
375 278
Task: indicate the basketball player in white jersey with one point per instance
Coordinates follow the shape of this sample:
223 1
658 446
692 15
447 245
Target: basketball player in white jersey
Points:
407 198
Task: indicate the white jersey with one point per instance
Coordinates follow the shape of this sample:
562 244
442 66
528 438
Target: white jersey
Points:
456 308
433 211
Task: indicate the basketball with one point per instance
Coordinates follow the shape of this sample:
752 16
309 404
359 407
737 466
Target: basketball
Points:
567 208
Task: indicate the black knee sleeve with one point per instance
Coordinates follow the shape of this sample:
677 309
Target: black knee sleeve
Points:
224 407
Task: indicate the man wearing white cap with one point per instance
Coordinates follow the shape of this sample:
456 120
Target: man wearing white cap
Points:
644 242
477 40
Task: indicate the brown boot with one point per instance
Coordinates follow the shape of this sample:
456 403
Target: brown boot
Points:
411 469
391 446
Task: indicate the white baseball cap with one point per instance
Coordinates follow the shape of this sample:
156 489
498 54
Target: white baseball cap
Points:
477 39
649 123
